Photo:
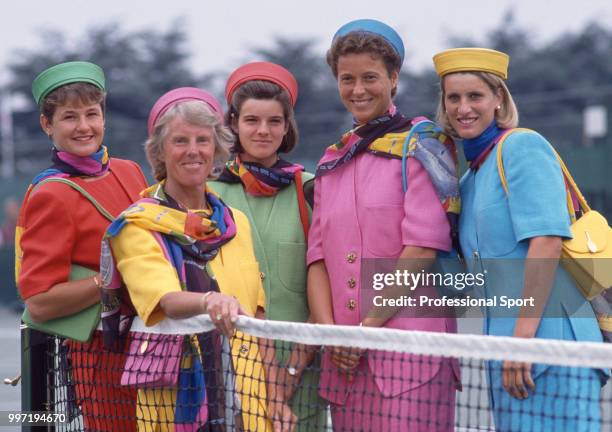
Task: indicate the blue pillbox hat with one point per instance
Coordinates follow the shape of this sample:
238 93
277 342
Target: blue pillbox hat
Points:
374 27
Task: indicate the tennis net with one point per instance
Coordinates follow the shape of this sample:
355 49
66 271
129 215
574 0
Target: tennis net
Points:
166 378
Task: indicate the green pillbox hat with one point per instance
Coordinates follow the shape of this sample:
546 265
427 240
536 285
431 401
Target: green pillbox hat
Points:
66 73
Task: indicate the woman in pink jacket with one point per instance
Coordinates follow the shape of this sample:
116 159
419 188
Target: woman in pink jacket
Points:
361 211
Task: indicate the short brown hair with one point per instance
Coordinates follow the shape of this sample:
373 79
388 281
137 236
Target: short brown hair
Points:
87 94
363 42
196 113
263 90
506 117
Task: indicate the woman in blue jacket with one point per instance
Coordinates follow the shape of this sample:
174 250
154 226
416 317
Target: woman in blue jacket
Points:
518 233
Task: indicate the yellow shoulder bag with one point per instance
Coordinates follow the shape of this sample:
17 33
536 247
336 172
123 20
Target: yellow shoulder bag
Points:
587 256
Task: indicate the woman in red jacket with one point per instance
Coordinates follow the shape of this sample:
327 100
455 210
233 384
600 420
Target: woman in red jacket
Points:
63 217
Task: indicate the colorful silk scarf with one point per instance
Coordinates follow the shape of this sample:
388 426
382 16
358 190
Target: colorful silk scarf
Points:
257 179
158 212
64 165
385 136
359 138
189 240
67 164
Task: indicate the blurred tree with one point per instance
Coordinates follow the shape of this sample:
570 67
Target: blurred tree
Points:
320 114
551 82
417 93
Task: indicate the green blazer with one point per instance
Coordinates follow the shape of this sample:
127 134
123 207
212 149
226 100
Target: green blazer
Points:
280 249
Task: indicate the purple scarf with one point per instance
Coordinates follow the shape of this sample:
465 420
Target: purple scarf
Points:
67 164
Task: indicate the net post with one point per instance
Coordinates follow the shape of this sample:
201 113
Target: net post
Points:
34 373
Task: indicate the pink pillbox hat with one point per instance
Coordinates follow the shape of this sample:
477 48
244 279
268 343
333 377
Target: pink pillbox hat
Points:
182 94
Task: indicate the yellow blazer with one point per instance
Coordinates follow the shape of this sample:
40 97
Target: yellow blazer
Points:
149 276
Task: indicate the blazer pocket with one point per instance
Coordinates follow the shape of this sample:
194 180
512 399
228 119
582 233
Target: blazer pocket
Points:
382 231
292 265
495 231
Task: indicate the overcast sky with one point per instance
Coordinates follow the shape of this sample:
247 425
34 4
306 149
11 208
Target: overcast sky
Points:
221 32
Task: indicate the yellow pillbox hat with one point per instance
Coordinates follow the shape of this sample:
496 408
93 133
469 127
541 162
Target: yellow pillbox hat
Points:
472 59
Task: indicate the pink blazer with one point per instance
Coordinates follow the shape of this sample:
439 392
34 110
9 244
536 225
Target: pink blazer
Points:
361 212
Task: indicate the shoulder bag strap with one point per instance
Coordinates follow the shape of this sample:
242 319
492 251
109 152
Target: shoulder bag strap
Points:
83 192
500 163
416 122
571 185
19 228
569 180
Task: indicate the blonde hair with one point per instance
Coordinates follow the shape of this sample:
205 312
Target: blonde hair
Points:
196 113
506 116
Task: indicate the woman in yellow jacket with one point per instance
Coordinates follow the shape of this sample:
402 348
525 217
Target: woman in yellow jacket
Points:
180 252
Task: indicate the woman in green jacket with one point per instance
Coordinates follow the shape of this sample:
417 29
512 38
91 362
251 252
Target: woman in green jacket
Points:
269 190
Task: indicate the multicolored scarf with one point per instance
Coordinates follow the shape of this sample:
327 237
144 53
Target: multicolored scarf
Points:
64 165
67 164
385 136
359 138
189 240
257 179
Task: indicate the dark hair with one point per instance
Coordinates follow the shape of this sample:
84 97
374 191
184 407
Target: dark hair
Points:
363 42
263 90
87 94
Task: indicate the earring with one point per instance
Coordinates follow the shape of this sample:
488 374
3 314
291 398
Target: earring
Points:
498 107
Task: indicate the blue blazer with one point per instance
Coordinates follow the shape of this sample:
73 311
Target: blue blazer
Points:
495 228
